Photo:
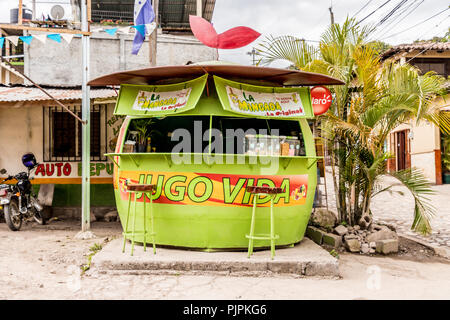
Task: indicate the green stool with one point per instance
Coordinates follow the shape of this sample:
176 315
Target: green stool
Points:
257 192
146 190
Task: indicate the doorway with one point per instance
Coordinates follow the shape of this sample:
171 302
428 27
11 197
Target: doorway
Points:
402 150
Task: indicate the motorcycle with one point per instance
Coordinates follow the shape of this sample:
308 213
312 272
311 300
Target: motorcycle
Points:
18 200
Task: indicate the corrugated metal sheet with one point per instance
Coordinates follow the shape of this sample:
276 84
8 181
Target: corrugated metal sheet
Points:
173 14
17 94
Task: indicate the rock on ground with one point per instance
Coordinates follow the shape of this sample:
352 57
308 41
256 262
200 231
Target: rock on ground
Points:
324 218
383 234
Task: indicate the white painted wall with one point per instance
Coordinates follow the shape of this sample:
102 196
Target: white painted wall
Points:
60 63
21 131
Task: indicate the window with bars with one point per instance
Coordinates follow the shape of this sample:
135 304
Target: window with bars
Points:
63 134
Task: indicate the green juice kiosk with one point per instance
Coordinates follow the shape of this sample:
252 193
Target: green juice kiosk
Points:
202 134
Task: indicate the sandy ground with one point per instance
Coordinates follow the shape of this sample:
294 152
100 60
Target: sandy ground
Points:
43 262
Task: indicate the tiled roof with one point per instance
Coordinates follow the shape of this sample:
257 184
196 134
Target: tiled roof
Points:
444 46
22 93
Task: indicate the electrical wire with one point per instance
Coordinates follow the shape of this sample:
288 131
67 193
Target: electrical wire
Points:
437 25
374 11
386 17
398 16
417 24
367 3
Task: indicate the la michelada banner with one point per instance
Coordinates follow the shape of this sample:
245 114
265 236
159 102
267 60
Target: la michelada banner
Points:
161 101
265 104
258 101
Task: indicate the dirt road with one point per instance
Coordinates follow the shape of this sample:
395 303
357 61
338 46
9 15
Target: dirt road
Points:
43 262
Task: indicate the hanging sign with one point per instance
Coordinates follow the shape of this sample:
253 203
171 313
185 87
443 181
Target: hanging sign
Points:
161 101
136 100
265 104
320 99
258 101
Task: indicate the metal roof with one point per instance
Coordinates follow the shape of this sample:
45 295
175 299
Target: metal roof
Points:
426 45
22 93
173 74
173 14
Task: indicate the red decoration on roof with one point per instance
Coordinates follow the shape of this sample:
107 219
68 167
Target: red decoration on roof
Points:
231 39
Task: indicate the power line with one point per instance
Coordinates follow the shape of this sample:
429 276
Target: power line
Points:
367 3
381 32
417 24
386 17
437 25
374 11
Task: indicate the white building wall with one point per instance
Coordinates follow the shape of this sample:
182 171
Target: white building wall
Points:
424 140
59 64
22 131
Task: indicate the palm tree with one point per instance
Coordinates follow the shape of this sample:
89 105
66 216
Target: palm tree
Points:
375 99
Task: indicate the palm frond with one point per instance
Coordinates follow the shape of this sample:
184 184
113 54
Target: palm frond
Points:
287 48
420 188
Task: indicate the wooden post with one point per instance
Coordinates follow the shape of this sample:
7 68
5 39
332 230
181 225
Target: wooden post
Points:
154 37
20 12
199 8
89 8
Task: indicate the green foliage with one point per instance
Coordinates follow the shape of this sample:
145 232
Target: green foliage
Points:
379 46
334 253
375 99
144 128
420 188
96 247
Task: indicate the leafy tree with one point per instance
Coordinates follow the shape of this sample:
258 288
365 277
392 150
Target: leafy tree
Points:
376 98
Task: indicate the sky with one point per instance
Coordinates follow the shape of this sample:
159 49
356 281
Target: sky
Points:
309 18
304 18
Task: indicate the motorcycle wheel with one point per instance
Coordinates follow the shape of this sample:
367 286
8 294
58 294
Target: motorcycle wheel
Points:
39 217
12 215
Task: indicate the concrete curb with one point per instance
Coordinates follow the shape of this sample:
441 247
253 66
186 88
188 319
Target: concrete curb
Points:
439 251
304 259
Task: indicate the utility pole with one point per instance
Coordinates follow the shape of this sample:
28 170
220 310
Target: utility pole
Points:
33 7
86 131
331 13
154 36
253 54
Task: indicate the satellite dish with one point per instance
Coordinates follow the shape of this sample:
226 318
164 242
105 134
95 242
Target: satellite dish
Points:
57 12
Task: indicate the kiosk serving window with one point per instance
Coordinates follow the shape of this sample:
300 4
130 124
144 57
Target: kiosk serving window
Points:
231 135
62 134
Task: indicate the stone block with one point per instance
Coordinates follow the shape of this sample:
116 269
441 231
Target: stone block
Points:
322 269
383 234
332 239
111 216
365 248
353 245
314 234
341 230
324 218
387 246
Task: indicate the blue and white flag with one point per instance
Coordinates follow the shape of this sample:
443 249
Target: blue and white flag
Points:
143 14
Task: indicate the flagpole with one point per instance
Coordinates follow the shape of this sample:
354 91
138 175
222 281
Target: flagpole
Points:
153 37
